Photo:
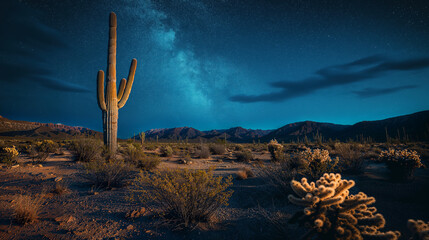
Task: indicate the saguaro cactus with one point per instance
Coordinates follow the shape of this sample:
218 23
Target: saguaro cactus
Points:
110 104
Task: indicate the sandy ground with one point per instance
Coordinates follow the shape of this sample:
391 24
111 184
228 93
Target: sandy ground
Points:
87 213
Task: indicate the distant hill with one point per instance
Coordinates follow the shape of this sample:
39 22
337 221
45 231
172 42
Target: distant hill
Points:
414 127
24 129
236 134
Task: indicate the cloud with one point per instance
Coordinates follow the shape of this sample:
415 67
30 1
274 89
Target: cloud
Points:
356 71
373 92
22 51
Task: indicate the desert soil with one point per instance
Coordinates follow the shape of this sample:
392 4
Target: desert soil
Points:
87 213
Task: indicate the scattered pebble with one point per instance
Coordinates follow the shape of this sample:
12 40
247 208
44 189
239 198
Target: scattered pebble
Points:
57 179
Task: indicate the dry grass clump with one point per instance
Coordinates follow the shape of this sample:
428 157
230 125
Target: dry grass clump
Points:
108 174
186 198
279 175
217 149
60 188
244 173
401 163
26 208
350 155
86 149
244 156
276 150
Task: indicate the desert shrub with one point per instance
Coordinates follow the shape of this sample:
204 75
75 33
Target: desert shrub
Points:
244 156
166 151
132 153
8 155
86 149
41 150
276 150
108 174
203 152
245 173
330 212
401 163
26 208
238 147
419 229
316 162
185 197
148 162
351 157
150 146
217 149
279 175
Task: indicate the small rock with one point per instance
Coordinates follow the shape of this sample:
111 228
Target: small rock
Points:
136 213
130 227
40 165
15 166
57 179
65 219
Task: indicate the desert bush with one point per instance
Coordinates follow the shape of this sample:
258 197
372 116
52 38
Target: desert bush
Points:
245 173
108 174
166 151
41 150
330 212
419 229
279 175
316 162
351 157
276 150
185 197
203 152
8 155
238 147
132 153
217 149
150 146
244 156
26 208
148 162
86 149
401 163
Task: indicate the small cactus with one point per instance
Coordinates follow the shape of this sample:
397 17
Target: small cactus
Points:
331 213
113 101
419 229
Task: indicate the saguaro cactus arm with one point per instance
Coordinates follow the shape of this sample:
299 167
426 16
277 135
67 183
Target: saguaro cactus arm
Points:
100 90
129 84
121 88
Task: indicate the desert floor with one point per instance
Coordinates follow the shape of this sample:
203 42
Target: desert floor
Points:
87 213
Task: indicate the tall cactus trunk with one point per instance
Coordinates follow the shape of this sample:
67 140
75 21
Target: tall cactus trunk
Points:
113 100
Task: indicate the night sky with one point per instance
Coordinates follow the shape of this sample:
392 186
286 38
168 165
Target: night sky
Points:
216 64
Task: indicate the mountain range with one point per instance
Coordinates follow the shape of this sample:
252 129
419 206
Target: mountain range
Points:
412 127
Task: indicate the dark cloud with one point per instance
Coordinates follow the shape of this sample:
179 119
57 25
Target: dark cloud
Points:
373 92
27 40
356 71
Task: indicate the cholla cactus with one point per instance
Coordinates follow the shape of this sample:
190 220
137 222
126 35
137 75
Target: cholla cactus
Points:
401 162
276 150
317 162
419 229
331 213
8 155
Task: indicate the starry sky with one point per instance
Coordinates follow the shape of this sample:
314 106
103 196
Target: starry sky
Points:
216 64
